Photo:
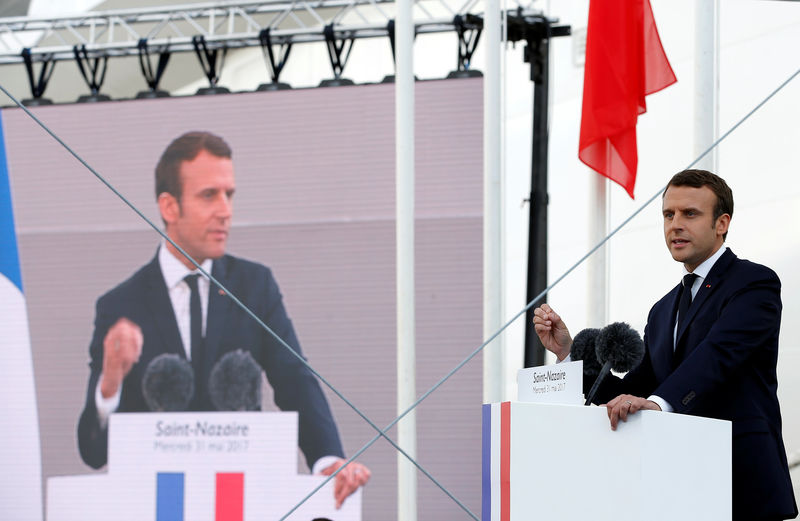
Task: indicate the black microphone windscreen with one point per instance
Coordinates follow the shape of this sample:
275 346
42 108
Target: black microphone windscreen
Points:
168 383
621 345
583 348
235 383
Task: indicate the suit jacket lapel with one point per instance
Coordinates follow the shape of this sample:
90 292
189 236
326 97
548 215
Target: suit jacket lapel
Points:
218 307
709 284
161 310
662 345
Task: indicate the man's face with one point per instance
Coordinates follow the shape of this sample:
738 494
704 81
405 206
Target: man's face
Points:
690 230
200 221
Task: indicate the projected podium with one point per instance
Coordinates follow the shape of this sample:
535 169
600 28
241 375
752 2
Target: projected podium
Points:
543 461
198 467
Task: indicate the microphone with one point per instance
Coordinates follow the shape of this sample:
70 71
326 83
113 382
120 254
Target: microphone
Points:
168 383
235 383
619 347
583 348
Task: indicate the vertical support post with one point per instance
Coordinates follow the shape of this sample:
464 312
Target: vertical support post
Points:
538 51
597 264
706 81
493 355
406 320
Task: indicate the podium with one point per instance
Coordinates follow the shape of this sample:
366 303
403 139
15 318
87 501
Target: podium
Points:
214 466
546 461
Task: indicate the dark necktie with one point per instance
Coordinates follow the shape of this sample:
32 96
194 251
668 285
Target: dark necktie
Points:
683 310
196 328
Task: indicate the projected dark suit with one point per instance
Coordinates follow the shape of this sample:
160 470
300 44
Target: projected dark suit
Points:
730 338
143 299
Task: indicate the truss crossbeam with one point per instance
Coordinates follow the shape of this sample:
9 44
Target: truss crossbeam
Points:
230 25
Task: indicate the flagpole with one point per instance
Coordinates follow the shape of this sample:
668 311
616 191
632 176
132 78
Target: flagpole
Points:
597 264
406 317
494 357
706 81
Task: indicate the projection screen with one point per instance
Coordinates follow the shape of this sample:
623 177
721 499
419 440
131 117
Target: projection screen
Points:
314 202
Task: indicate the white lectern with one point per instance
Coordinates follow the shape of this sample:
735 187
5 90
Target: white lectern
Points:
223 466
544 461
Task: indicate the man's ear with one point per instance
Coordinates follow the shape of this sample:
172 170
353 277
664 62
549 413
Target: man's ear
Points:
721 226
169 207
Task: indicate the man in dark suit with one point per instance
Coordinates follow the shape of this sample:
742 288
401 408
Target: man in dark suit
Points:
165 308
711 346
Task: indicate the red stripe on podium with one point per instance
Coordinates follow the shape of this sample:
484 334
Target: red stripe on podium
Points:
505 461
230 497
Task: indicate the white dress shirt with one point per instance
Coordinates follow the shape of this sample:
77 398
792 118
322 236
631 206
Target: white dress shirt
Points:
174 272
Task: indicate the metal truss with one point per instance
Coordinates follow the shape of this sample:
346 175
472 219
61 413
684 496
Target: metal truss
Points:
228 25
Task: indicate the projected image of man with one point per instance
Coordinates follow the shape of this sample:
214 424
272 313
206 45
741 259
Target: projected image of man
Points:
165 307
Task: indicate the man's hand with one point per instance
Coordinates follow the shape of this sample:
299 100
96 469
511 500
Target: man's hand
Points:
348 480
552 331
122 348
620 407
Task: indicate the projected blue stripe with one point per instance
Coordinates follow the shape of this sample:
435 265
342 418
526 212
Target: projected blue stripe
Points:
169 496
486 503
9 258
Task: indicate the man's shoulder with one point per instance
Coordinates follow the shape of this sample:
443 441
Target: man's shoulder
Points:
733 274
134 284
234 268
739 275
750 270
232 263
237 266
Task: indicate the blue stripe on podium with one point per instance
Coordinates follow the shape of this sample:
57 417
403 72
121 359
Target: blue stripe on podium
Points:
169 496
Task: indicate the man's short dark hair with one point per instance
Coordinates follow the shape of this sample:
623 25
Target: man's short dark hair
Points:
185 148
699 178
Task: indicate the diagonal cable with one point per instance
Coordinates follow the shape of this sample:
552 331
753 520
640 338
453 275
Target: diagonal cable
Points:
381 433
549 288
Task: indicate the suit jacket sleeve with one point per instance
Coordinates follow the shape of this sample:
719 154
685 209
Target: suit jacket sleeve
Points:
92 437
295 387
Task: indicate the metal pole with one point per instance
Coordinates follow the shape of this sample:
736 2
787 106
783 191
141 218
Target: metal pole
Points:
494 356
538 50
406 321
706 81
597 265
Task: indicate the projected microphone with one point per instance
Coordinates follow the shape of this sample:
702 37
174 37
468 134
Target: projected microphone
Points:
583 348
168 383
235 383
619 347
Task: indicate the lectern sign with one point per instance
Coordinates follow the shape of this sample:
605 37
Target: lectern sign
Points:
220 466
560 383
229 439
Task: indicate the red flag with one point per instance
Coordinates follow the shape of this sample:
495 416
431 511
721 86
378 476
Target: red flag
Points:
624 63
